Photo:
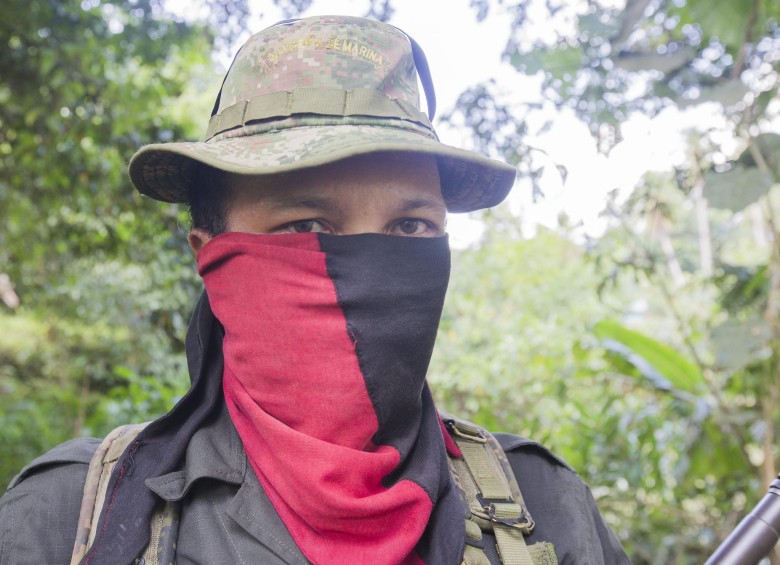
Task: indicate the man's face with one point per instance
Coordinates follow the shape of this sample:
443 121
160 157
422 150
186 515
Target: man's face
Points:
387 193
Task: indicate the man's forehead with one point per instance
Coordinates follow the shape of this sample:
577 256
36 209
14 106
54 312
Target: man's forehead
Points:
405 201
400 169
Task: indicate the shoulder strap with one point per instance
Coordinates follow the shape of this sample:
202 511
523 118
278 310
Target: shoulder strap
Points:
100 468
493 498
164 535
98 474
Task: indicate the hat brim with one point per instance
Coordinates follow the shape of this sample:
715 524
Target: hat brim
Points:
164 171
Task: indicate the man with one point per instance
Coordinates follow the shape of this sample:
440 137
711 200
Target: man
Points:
309 434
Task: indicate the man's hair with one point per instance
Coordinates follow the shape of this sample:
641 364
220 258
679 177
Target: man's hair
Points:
208 199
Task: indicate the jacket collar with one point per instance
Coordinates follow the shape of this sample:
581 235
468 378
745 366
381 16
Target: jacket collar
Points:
214 452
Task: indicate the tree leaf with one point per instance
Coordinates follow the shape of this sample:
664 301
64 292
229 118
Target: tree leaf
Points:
724 19
728 93
647 61
558 61
739 343
737 188
595 24
658 362
769 146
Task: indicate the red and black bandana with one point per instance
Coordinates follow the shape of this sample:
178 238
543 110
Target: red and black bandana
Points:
327 343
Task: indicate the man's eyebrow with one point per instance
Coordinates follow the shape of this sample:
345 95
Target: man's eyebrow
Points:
285 201
417 203
280 201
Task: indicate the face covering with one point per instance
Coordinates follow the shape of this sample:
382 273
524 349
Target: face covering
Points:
327 341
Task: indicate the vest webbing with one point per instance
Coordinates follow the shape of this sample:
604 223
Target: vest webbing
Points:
493 499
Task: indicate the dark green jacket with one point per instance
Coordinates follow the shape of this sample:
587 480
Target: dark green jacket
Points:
226 516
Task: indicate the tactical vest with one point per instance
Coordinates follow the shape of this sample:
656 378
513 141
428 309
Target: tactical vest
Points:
485 481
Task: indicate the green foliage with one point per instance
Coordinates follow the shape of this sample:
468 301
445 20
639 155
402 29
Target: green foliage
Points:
740 343
644 56
559 63
737 188
730 21
524 346
714 387
765 147
507 352
104 277
60 379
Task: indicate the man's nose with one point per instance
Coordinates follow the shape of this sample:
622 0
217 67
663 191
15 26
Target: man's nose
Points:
362 224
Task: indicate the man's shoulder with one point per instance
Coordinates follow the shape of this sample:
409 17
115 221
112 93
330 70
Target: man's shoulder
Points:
545 479
531 450
39 511
77 452
561 503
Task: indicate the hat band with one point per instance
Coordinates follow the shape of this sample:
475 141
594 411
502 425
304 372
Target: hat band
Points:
321 101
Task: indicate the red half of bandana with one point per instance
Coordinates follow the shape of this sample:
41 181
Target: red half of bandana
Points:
298 396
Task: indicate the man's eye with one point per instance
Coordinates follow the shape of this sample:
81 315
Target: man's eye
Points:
306 226
412 227
303 226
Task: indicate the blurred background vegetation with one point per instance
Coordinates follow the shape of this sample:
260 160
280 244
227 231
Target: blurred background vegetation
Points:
648 357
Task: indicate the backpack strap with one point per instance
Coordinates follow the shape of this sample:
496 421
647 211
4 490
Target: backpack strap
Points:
98 474
164 534
493 499
164 526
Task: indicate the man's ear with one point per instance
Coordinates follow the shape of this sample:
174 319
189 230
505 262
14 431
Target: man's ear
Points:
198 238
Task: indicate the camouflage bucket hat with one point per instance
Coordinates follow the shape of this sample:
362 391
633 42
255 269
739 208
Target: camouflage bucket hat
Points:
309 92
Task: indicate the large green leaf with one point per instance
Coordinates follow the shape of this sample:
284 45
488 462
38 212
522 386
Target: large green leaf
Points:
662 365
737 188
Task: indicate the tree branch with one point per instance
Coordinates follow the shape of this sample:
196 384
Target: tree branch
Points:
746 39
